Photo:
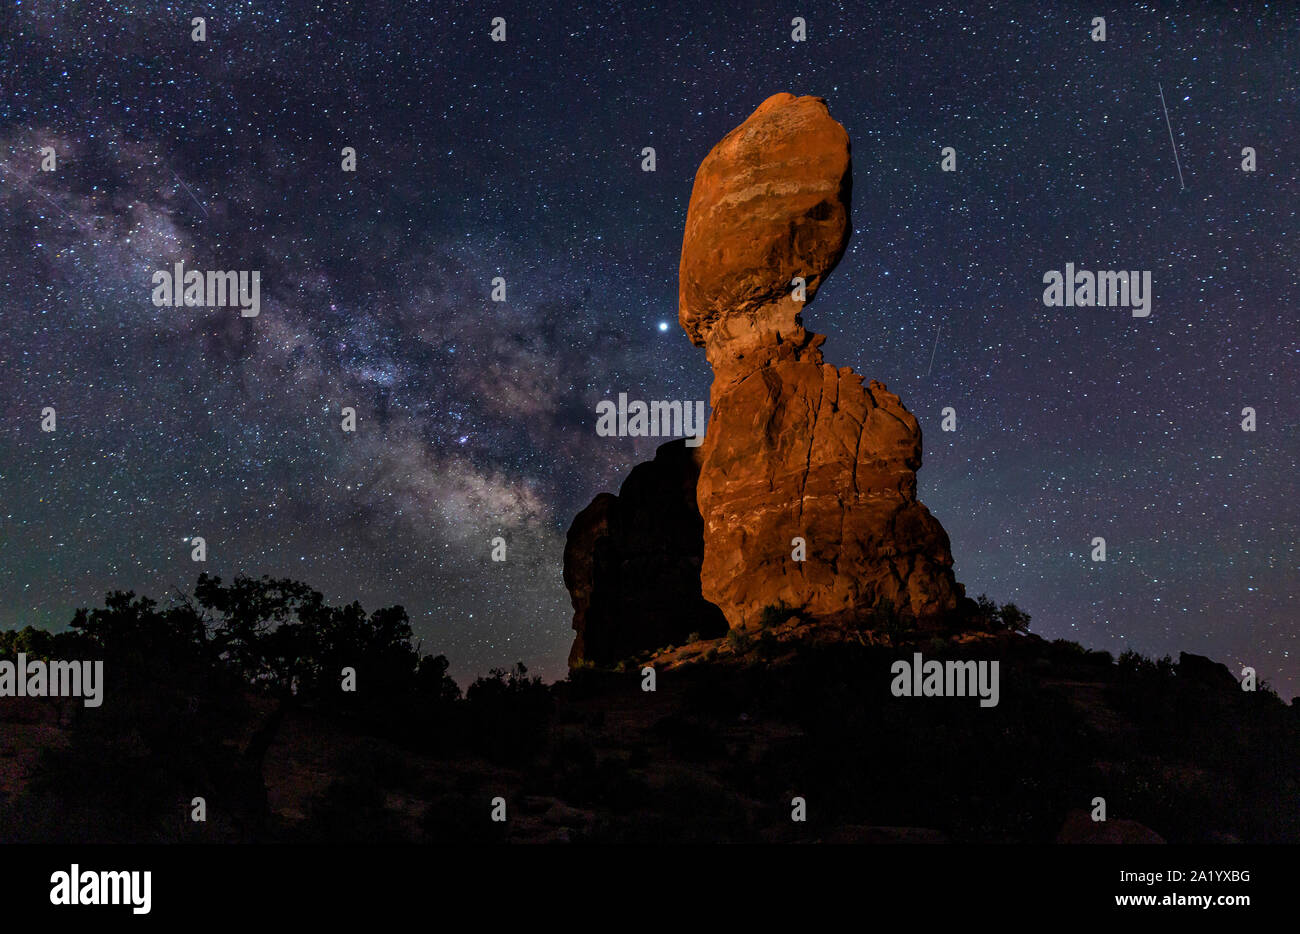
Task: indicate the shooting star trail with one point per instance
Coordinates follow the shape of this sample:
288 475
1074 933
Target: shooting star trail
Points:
32 188
187 188
56 206
1171 137
936 347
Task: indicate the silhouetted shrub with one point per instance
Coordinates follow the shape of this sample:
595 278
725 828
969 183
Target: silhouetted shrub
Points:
774 614
898 624
1064 649
509 713
740 641
1134 667
1013 619
985 614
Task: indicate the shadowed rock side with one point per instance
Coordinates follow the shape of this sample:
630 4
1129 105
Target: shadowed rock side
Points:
795 448
632 564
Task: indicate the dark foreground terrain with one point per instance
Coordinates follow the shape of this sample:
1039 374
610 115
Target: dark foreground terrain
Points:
233 696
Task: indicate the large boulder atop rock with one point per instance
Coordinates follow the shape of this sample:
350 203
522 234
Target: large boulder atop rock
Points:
770 203
632 564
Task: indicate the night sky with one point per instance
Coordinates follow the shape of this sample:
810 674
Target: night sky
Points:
522 159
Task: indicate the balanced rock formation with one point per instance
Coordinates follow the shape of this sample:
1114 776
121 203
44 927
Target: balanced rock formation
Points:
800 460
632 564
796 449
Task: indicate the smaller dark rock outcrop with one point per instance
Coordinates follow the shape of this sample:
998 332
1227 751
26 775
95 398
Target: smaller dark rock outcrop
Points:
632 563
1206 671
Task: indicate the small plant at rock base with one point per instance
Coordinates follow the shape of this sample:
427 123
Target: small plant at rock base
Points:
774 614
740 641
897 624
695 637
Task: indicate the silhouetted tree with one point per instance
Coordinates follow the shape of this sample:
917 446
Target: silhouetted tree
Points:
508 713
181 686
1013 618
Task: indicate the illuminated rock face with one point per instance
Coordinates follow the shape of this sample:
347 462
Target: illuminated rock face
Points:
796 449
770 202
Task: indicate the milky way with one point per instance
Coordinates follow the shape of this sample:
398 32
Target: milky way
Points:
522 159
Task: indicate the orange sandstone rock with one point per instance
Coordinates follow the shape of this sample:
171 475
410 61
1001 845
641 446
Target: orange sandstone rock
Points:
770 202
796 448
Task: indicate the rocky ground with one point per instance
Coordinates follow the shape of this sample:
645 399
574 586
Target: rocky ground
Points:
735 731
